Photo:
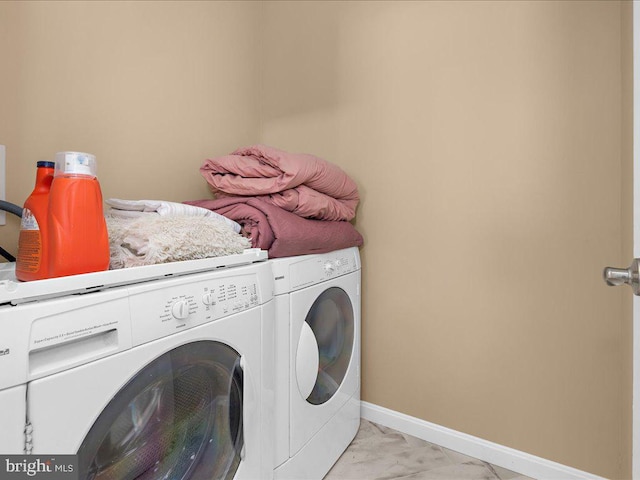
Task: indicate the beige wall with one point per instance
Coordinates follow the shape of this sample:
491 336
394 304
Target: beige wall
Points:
486 139
150 88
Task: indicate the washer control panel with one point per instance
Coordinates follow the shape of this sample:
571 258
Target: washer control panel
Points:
158 312
320 268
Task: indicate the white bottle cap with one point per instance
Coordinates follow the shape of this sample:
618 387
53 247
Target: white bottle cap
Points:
76 163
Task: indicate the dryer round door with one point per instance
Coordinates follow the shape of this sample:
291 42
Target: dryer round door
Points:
179 418
325 346
330 314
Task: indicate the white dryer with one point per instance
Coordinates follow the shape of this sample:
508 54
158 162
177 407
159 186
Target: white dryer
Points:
317 305
160 372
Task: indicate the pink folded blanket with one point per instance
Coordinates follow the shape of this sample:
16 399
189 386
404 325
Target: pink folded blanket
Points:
297 182
282 233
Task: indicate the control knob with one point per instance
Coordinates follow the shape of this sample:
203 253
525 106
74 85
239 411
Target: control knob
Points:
207 298
180 309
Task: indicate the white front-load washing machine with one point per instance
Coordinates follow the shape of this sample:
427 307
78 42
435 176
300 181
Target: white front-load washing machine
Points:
12 414
159 372
317 309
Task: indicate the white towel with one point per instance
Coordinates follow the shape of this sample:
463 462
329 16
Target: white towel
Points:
138 208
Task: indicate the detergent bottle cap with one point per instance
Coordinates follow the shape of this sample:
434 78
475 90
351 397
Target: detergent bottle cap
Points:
75 163
45 164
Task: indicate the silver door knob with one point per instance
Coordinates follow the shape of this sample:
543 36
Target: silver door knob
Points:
620 276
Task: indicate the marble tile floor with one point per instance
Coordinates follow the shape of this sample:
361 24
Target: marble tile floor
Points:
381 453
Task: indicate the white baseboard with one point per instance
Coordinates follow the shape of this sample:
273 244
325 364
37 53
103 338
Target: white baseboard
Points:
509 458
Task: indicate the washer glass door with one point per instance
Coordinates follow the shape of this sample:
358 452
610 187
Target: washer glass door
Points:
180 417
331 320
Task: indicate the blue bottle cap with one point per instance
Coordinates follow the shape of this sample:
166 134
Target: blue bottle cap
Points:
45 164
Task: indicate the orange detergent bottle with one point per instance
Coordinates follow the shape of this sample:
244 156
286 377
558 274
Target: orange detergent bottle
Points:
32 262
78 238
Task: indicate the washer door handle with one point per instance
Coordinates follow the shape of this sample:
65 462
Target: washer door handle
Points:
236 426
307 361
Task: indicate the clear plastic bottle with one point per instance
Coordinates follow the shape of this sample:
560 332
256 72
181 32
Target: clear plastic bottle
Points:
33 261
78 238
